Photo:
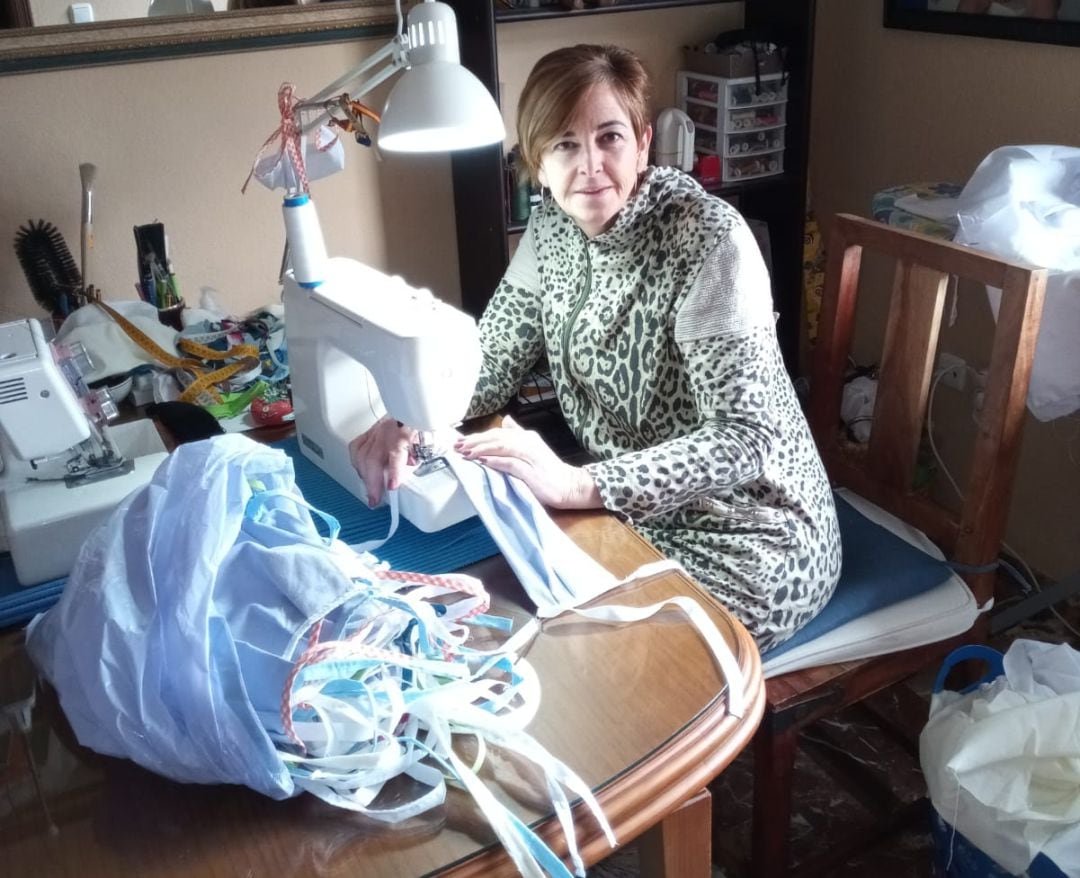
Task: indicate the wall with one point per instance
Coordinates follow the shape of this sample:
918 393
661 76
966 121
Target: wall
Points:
173 141
893 106
522 44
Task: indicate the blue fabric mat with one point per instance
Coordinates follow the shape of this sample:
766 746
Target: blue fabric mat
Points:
409 548
879 569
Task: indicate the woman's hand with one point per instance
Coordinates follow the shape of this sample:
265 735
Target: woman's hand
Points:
380 456
524 454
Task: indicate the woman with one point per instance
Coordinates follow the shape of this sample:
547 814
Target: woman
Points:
652 303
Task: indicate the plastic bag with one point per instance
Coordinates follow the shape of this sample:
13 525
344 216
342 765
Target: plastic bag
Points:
209 633
1002 760
1023 203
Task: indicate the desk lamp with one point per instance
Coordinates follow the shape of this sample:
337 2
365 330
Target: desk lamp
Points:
437 105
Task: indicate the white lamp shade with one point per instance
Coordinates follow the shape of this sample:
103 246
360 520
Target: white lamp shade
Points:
436 106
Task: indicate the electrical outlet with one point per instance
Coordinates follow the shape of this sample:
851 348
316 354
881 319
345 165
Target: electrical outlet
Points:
953 370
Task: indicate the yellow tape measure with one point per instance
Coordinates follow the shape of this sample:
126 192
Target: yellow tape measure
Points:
205 381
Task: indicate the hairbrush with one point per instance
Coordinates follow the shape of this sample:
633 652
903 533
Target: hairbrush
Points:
50 270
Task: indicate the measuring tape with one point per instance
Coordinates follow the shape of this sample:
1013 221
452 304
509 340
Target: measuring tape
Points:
204 383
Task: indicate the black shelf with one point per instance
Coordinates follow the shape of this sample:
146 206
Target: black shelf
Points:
757 185
534 13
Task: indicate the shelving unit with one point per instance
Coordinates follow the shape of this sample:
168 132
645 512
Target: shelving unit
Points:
741 120
780 200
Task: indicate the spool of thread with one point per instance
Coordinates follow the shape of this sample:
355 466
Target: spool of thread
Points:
307 250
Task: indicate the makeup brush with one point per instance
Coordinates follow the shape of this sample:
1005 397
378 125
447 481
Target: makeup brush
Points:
87 172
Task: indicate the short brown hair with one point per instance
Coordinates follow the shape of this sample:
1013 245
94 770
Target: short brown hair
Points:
561 78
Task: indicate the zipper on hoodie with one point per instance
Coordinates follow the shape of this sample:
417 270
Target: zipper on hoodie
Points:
569 325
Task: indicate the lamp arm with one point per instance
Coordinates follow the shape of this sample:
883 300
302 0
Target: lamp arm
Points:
396 51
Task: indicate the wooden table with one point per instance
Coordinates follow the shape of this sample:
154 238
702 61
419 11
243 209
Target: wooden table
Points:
639 711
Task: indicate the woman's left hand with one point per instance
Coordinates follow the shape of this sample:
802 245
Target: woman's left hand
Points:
524 454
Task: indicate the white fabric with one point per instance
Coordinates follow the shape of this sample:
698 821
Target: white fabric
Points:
938 209
939 613
111 350
559 576
1023 203
1002 763
323 154
857 406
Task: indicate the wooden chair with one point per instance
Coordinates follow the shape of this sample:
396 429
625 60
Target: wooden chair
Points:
883 471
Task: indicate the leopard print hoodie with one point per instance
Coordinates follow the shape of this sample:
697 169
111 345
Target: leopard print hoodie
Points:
662 345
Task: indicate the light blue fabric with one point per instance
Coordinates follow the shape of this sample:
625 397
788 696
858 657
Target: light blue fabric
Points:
555 573
210 633
167 643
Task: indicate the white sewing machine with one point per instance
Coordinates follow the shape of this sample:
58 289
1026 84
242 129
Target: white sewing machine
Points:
64 469
362 344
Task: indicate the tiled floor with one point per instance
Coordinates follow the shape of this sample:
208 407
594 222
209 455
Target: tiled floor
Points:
825 809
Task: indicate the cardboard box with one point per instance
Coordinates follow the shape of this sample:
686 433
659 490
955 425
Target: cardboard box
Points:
729 64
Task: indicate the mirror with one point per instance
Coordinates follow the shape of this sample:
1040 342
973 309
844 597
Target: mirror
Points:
24 47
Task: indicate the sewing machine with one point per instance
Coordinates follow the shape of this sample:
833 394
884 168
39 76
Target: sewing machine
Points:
65 469
362 344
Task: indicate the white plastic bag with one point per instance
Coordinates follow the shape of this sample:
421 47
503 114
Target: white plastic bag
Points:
1002 762
1023 203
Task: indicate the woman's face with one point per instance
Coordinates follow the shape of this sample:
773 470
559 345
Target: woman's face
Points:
593 168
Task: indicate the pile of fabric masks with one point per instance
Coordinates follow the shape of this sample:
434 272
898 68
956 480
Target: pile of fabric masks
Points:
209 633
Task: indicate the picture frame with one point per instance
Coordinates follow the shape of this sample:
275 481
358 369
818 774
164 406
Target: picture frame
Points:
940 16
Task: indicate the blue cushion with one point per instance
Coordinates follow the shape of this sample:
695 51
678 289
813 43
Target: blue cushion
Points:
878 570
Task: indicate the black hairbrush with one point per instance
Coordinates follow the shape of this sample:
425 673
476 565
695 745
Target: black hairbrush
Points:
50 270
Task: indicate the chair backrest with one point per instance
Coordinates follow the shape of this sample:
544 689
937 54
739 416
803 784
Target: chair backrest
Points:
884 469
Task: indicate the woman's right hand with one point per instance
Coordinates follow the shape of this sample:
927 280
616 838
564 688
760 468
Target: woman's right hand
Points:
380 456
